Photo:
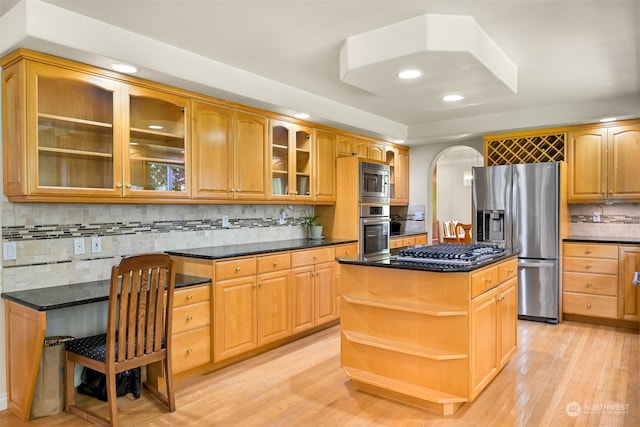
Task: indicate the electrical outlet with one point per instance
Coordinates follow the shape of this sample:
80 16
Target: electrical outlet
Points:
596 217
225 221
96 244
78 246
10 251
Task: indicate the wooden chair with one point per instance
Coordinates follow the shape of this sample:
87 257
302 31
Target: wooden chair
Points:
448 232
138 332
463 233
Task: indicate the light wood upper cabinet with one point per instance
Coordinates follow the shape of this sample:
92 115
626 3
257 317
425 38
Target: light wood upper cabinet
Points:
291 161
398 160
229 153
76 134
377 151
156 151
350 146
603 164
324 176
62 132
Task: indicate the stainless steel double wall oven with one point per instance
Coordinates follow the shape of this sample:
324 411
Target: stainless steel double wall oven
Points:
375 220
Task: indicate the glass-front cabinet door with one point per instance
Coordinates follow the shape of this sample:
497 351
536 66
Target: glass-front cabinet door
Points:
77 143
291 161
156 149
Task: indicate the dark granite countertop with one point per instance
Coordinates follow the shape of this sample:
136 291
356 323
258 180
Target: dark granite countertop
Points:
55 297
388 261
247 249
620 240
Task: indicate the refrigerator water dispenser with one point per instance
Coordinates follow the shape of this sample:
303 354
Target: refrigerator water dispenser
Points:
491 227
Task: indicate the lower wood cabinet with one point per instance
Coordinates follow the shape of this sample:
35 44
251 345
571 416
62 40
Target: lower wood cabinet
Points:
493 333
191 328
401 241
597 281
313 287
629 258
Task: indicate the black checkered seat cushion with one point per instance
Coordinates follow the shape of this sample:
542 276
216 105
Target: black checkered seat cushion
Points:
94 347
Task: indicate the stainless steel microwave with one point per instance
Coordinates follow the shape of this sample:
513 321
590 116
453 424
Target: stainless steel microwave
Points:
374 182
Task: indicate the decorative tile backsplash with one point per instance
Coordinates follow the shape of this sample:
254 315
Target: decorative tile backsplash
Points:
616 220
44 235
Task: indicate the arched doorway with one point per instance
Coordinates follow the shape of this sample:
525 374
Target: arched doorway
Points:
452 187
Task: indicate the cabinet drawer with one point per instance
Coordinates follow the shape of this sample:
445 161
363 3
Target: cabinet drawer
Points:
591 265
588 250
395 243
408 241
312 256
191 316
483 280
598 284
507 270
191 349
240 267
590 305
277 262
190 295
346 250
421 240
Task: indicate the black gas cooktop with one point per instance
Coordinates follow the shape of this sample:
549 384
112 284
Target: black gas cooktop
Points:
454 255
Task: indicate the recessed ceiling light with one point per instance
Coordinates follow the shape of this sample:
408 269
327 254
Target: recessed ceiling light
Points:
124 68
452 98
399 141
156 127
409 74
301 116
609 119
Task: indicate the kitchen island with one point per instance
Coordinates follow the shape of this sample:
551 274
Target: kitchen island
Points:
425 335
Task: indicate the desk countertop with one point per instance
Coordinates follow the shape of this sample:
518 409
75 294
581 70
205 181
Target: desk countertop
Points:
53 298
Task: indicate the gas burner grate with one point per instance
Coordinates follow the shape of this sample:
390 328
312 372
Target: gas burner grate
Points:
452 254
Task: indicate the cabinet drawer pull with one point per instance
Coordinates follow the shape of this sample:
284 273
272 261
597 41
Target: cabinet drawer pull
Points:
510 270
588 305
237 268
588 266
488 280
588 251
588 284
189 296
275 263
189 318
189 350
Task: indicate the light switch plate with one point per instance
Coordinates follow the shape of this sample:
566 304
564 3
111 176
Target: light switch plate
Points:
78 246
10 251
96 244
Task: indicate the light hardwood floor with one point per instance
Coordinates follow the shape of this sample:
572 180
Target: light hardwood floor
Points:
302 384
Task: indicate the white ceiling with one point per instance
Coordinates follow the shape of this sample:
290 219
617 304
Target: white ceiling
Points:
578 60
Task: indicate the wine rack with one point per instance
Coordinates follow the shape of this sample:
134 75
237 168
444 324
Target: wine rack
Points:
524 148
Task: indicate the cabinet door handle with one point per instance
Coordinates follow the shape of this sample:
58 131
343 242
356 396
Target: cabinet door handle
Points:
588 266
231 190
128 185
510 270
488 280
189 318
189 350
275 263
238 190
118 185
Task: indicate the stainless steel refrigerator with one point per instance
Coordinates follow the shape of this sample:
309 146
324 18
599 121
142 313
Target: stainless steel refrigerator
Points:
518 207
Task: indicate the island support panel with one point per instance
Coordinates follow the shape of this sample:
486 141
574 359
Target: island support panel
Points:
408 335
